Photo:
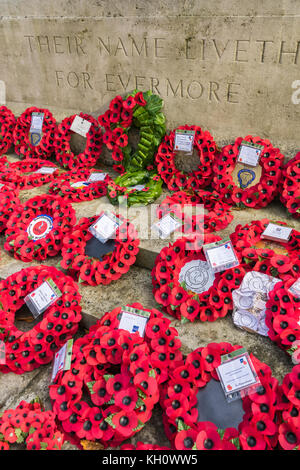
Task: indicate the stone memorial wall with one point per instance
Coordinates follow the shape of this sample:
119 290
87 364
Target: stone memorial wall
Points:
232 67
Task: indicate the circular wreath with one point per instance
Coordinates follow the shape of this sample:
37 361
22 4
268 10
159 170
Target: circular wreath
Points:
256 254
25 351
122 189
218 214
258 195
31 425
141 110
89 156
282 318
258 428
289 406
172 293
114 368
23 146
75 187
7 125
161 338
36 228
290 191
93 271
9 202
174 178
24 175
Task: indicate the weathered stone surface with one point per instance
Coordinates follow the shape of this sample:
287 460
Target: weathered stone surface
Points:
231 68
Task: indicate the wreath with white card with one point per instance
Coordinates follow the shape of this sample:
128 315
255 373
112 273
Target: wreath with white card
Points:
161 338
109 392
176 179
197 416
86 126
40 142
29 173
81 185
185 285
258 252
36 228
25 351
95 262
248 172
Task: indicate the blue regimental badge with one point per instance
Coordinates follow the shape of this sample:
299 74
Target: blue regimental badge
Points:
245 177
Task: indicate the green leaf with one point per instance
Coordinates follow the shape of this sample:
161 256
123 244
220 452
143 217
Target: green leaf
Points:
90 386
221 433
139 403
44 445
139 426
236 442
181 426
20 435
184 320
107 376
108 420
152 373
141 393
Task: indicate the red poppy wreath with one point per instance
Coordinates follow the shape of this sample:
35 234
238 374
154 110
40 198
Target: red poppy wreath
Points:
8 205
36 228
289 406
78 185
290 191
282 318
161 338
25 351
174 178
253 185
218 214
92 151
108 261
140 110
187 423
31 425
22 138
277 259
185 286
29 173
7 125
114 368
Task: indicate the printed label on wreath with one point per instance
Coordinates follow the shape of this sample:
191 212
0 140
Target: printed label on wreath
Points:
167 225
79 184
295 288
2 353
134 320
184 140
39 227
237 375
97 176
36 127
80 126
137 187
62 359
196 276
249 153
42 297
46 170
221 255
105 227
276 232
250 302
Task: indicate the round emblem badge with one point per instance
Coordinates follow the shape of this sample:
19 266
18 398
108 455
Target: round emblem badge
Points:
197 276
39 227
